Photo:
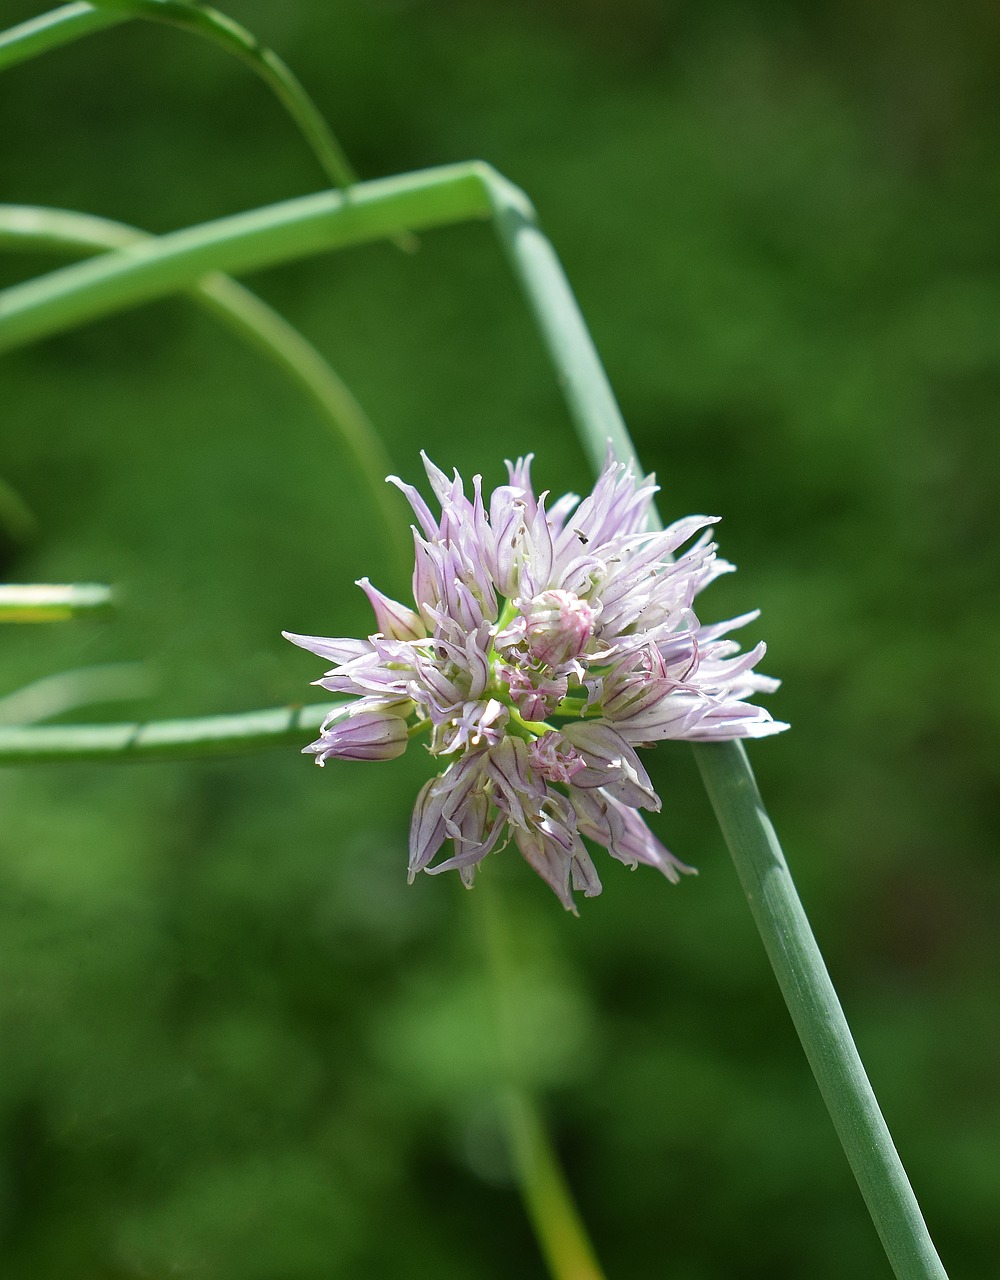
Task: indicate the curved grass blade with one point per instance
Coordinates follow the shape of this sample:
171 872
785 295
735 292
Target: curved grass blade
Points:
238 734
42 602
71 21
203 20
29 227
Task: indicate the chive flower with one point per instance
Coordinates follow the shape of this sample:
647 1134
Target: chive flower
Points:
545 645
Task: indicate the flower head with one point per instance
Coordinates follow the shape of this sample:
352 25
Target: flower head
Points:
544 647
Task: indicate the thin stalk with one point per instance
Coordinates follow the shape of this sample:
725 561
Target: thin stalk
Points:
44 602
812 1001
238 734
223 31
28 227
548 1201
71 21
777 909
564 332
774 901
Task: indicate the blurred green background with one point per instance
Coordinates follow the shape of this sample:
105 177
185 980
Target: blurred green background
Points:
233 1044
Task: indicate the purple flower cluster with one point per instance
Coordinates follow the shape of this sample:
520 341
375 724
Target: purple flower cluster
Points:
545 646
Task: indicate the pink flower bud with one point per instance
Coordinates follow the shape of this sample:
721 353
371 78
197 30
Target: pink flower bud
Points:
559 627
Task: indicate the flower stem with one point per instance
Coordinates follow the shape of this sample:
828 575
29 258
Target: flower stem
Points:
548 1201
815 1010
774 902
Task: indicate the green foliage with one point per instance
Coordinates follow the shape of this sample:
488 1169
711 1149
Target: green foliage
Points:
235 1043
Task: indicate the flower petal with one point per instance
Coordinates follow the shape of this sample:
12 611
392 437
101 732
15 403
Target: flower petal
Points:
394 620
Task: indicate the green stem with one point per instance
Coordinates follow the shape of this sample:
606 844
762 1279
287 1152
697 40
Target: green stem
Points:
578 368
29 227
72 21
815 1009
778 912
205 21
238 734
548 1201
43 602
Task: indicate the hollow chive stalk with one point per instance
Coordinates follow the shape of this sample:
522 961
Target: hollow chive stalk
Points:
817 1013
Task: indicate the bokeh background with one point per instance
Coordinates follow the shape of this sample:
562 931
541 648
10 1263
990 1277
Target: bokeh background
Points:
233 1044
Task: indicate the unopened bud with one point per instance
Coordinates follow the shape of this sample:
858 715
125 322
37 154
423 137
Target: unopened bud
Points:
559 627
